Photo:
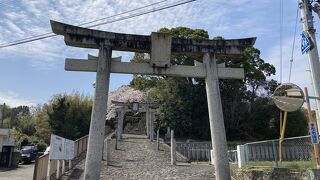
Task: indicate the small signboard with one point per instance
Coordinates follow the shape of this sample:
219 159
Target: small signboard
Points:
135 107
61 148
305 42
69 149
313 133
56 147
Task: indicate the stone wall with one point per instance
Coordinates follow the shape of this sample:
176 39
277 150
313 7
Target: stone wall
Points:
275 174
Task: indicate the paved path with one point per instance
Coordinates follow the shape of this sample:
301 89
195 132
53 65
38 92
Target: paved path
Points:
138 158
23 172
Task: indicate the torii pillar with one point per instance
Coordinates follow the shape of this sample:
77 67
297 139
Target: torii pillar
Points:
98 116
148 122
161 46
150 114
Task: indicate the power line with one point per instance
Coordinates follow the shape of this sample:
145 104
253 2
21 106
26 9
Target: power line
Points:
47 35
143 13
294 41
124 12
40 36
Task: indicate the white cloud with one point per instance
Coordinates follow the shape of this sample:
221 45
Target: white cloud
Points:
32 17
12 99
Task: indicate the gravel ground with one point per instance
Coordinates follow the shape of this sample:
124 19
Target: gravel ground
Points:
138 158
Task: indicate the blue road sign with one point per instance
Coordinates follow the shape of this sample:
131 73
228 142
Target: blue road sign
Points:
305 42
313 133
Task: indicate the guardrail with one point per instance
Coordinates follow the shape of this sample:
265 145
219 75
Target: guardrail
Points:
41 164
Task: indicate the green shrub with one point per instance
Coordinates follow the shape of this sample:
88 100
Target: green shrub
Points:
41 146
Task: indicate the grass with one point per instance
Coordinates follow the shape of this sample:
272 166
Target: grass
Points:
285 164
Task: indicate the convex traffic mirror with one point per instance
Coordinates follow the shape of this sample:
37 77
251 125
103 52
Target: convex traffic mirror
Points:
288 97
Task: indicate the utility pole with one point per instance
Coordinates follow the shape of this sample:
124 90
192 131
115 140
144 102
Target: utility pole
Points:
307 21
2 114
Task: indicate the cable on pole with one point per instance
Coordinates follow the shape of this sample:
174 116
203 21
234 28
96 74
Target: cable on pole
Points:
281 27
49 34
294 41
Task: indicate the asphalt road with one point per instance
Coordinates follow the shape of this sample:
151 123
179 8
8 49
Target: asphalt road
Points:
23 172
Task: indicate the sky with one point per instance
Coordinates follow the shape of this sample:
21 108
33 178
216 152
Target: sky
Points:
32 73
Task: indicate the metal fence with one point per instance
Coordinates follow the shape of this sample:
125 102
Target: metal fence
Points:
293 149
41 164
195 151
200 151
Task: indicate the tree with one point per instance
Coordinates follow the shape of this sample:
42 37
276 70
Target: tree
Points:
69 115
43 129
183 105
26 124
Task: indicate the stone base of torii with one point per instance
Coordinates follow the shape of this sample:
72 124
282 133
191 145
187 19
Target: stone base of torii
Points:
161 46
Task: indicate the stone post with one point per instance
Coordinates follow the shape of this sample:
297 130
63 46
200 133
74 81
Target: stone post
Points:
106 154
98 116
241 154
212 157
116 143
120 123
275 153
147 121
218 134
158 139
152 116
173 149
168 133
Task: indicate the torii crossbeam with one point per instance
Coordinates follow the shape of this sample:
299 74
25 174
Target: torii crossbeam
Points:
160 46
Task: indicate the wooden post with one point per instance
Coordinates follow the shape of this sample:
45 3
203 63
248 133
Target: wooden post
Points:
310 119
63 167
282 135
98 117
58 169
158 139
218 134
70 164
173 149
35 169
48 170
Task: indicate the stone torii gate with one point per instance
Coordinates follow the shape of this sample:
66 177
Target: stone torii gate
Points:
148 108
160 46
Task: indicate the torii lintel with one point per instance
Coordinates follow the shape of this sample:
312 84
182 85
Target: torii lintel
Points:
89 38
